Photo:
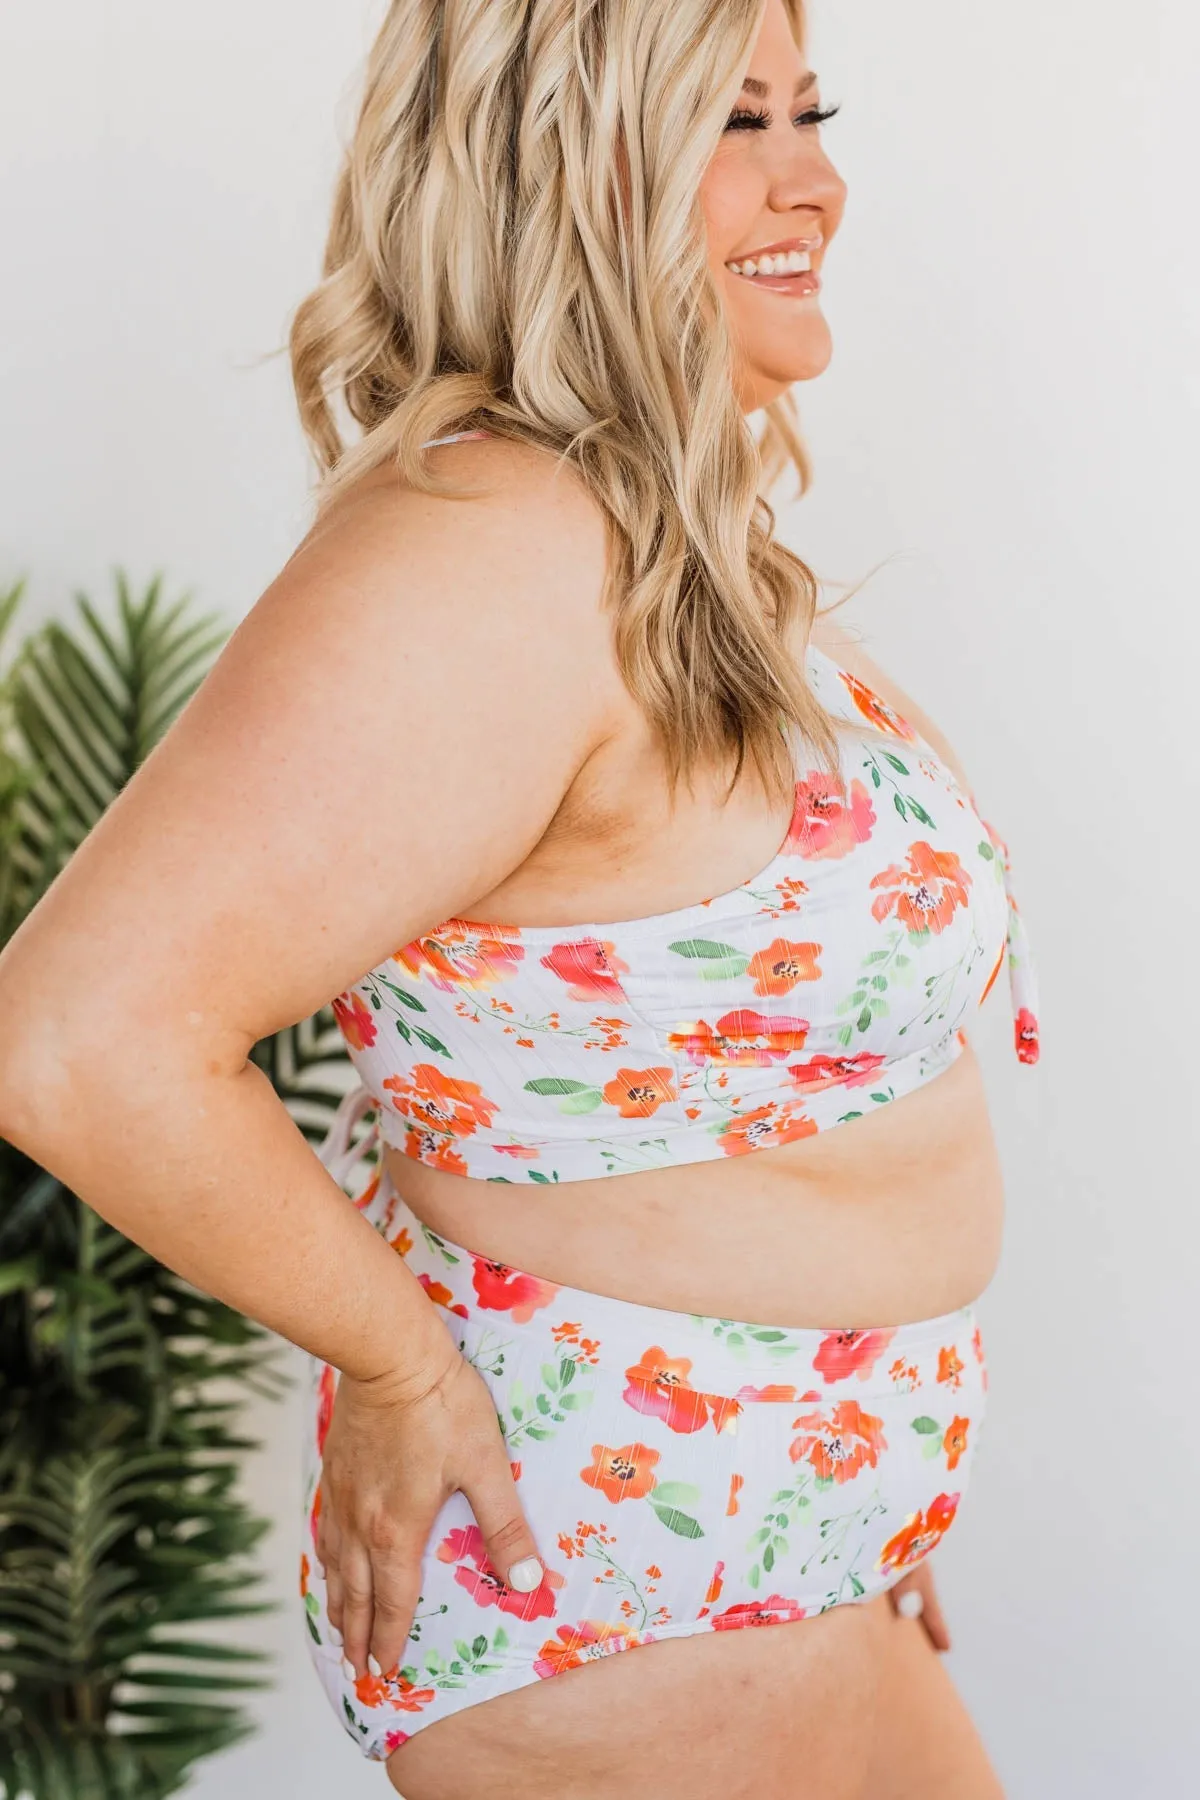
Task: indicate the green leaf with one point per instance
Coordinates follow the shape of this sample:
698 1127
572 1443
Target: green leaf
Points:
704 950
556 1084
768 1559
925 1425
899 805
678 1522
900 768
676 1493
479 1646
724 971
585 1102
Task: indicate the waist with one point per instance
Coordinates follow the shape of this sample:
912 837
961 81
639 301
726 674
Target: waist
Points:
896 1217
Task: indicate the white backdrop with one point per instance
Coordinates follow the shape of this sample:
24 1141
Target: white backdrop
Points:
1013 407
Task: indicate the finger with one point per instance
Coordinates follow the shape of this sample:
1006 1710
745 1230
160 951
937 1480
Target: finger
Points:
329 1556
933 1618
396 1580
356 1606
511 1547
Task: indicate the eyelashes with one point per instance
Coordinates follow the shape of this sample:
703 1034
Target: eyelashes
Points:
757 119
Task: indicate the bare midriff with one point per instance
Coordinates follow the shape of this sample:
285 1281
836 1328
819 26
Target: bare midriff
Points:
890 1218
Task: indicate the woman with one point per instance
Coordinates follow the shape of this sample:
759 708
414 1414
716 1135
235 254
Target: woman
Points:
497 691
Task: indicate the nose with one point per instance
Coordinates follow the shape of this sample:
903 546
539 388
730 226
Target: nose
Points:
806 177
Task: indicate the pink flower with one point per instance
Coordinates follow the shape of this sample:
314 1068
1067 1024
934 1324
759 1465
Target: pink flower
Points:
846 1353
464 1545
770 1611
589 967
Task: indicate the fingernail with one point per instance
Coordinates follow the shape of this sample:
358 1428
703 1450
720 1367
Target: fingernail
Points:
335 1636
526 1575
373 1666
348 1669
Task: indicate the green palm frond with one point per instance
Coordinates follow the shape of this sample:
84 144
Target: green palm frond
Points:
122 1531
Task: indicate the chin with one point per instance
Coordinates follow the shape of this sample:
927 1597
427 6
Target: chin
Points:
777 366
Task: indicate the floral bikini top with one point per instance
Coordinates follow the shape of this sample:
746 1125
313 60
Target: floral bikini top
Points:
834 981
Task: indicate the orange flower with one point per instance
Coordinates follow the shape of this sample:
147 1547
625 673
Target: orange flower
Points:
637 1093
955 1441
441 1103
566 1330
715 1586
765 1127
877 710
394 1689
402 1243
740 1037
736 1484
838 1447
846 1353
582 1643
825 823
778 968
435 1151
624 1474
924 895
464 954
949 1365
305 1572
355 1021
992 977
441 1295
919 1535
835 1071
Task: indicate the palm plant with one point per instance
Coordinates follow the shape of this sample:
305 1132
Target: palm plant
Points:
121 1386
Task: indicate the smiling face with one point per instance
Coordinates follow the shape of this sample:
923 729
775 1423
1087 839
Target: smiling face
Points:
772 201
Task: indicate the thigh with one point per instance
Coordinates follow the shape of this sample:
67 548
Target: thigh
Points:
786 1712
924 1746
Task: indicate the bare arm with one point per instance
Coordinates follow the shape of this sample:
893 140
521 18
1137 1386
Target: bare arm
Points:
385 737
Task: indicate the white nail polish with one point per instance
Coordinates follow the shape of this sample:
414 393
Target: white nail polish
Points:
348 1669
526 1575
335 1636
373 1666
911 1603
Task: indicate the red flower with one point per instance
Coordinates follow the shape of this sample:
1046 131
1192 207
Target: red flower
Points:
919 1536
589 967
326 1390
355 1021
501 1289
835 1071
778 968
771 1611
825 824
1026 1034
838 1447
464 1545
846 1353
924 895
740 1037
462 953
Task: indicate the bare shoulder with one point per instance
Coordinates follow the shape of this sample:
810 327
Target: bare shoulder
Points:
846 649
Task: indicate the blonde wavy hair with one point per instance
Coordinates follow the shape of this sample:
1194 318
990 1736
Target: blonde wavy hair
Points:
518 245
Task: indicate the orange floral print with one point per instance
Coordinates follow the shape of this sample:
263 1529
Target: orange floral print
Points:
766 1125
873 707
585 1642
771 1611
827 823
355 1021
925 894
624 1474
637 1093
393 1690
919 1535
464 1547
740 1037
955 1441
440 1103
441 1295
778 968
736 1484
846 1353
463 954
950 1366
590 968
659 1385
839 1446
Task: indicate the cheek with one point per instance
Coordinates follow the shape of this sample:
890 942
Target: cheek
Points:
732 198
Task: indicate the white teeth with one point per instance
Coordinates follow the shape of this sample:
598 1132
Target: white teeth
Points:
790 262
